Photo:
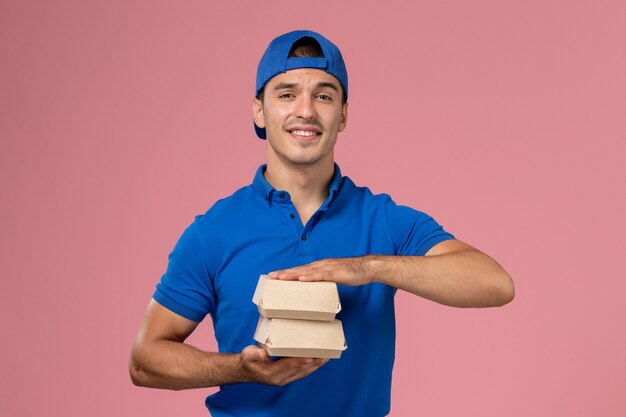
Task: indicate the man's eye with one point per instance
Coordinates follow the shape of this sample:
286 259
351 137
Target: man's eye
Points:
324 97
285 95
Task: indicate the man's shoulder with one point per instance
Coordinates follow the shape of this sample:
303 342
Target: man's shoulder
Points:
241 201
363 193
368 201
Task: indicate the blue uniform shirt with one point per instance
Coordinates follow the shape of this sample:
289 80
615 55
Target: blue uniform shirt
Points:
216 264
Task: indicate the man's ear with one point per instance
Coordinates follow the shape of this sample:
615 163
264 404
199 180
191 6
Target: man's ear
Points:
257 113
344 117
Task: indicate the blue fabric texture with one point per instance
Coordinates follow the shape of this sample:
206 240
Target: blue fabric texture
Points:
276 59
216 264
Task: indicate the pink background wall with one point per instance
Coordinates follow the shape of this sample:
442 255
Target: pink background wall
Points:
121 120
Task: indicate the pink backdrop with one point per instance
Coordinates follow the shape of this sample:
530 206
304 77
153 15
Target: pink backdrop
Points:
121 120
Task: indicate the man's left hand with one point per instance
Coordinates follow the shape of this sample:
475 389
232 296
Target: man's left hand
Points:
346 271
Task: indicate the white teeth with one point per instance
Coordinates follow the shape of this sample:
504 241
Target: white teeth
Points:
304 132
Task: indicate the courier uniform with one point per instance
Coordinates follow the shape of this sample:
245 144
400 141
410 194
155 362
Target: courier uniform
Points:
216 264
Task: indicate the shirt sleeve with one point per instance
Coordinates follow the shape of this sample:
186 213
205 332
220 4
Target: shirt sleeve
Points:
412 231
186 288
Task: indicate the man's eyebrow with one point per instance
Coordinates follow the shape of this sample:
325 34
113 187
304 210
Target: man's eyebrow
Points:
324 84
283 86
321 84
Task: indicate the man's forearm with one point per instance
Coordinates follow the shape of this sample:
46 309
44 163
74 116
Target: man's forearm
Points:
466 278
174 365
452 273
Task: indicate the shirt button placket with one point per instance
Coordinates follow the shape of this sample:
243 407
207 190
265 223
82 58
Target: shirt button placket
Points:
305 247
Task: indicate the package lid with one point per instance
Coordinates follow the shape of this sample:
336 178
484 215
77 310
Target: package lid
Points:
301 338
296 299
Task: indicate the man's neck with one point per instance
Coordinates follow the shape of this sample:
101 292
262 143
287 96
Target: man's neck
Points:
306 184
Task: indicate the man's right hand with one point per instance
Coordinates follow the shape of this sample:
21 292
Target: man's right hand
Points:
256 366
160 359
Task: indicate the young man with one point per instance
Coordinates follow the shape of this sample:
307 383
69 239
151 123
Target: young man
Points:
301 219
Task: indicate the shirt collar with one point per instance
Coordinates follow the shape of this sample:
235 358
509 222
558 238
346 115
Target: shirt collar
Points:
265 189
260 184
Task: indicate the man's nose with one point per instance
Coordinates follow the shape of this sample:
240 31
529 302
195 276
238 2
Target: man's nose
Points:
305 108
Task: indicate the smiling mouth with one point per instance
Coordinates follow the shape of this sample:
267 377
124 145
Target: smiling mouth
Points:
304 132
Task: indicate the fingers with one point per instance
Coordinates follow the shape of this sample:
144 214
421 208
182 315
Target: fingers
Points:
263 355
286 274
287 365
317 276
306 367
281 371
346 271
339 270
297 272
309 273
254 354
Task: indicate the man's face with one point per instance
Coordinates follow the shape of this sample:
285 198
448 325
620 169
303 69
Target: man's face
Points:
302 113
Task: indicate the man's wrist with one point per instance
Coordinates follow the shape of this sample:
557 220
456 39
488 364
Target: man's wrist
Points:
227 368
241 373
374 266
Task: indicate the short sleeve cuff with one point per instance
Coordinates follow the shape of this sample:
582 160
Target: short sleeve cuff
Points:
176 307
428 244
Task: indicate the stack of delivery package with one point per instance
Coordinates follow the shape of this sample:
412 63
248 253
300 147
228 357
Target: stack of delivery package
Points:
298 318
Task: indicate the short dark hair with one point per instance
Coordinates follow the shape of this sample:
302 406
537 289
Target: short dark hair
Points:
306 47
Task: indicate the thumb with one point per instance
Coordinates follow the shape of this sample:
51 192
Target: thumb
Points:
254 354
